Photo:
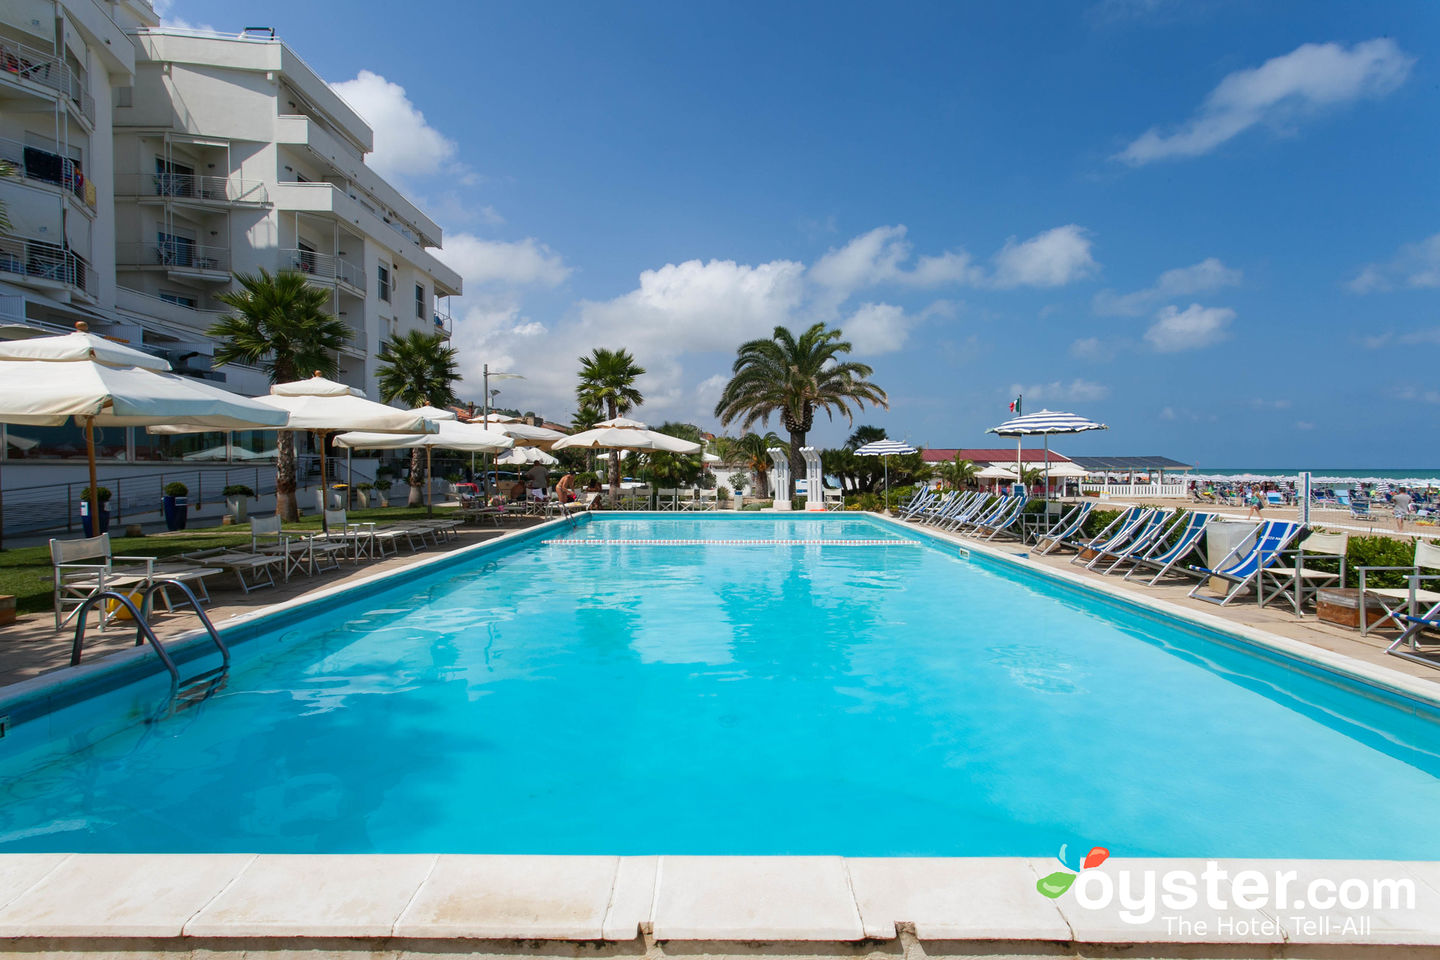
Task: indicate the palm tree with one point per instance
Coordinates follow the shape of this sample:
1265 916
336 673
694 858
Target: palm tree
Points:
607 382
417 368
753 451
958 473
792 378
864 435
280 324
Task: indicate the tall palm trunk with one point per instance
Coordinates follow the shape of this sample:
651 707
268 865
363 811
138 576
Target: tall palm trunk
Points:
285 503
614 464
797 462
417 477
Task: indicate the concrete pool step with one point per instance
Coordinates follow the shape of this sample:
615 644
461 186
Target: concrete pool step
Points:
220 905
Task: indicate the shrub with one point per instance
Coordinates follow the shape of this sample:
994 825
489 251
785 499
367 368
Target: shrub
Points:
364 487
383 485
1099 520
587 478
1377 552
176 489
238 490
722 492
797 503
104 493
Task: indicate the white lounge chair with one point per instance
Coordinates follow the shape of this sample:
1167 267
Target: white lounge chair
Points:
1298 583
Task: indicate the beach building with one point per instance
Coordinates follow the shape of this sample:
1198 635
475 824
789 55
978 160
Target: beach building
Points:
152 164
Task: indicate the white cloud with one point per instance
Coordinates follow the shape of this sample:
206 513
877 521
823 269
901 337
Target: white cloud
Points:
406 146
1304 425
1427 337
1088 348
1415 265
1209 274
1050 259
879 256
1058 391
1167 413
1175 330
1304 81
519 263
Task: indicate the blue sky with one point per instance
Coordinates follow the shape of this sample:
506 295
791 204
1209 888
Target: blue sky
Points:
1212 225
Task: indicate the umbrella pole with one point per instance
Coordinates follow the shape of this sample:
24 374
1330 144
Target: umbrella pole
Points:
349 478
94 483
429 485
1047 466
1019 463
324 500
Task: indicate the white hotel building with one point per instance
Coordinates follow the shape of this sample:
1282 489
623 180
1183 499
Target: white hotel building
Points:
152 164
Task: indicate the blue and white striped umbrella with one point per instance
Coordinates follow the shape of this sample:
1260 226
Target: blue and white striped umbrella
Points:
1044 423
886 449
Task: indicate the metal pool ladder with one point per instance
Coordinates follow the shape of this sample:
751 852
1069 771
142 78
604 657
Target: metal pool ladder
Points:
183 692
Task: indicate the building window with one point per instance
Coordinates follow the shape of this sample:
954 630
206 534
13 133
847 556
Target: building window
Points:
174 250
179 299
304 257
420 301
383 282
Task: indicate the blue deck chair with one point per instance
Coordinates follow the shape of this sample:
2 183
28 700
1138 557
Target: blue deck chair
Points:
922 501
962 505
1242 566
1141 540
980 506
1360 509
1116 532
989 513
945 509
1006 520
1409 645
1165 555
1068 526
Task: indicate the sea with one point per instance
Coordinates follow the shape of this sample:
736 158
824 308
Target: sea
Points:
1356 474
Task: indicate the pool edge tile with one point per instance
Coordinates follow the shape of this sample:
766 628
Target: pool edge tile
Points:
632 899
755 898
954 898
503 897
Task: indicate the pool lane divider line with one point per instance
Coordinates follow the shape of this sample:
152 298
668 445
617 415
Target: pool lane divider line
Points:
607 542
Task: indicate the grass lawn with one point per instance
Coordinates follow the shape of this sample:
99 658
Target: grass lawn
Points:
25 572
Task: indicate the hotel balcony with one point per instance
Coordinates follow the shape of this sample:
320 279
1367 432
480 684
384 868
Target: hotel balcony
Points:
39 166
29 69
189 188
37 263
325 268
443 324
190 261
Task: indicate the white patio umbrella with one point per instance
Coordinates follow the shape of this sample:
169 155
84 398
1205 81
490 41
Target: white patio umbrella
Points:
523 434
520 456
46 380
449 434
996 471
324 406
622 433
1045 423
885 449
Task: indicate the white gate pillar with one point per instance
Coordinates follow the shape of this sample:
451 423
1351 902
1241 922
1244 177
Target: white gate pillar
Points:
780 478
814 481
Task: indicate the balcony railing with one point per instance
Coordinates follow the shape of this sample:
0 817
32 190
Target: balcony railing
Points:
42 166
17 60
174 256
186 186
36 259
24 62
323 266
443 324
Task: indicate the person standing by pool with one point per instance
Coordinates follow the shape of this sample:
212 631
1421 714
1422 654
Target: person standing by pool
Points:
539 479
1400 505
564 491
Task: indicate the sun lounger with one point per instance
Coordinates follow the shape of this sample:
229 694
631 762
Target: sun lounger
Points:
1166 555
1068 526
1242 565
1395 600
956 507
1409 643
83 568
1143 537
1116 532
987 511
258 567
920 501
1298 582
1006 521
303 553
1360 510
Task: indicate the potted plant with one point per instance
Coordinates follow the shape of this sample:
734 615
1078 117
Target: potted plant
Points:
237 501
176 507
722 493
737 483
382 489
104 497
363 489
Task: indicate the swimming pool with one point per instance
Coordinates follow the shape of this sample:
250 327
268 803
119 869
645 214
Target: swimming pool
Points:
629 690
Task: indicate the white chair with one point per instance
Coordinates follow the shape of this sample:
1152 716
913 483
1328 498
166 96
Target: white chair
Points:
667 499
1400 600
302 553
707 500
83 568
1298 583
834 498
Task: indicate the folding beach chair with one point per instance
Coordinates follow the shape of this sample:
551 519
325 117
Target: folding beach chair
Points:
924 504
1005 521
1067 526
1395 600
1242 565
946 511
1410 637
1116 532
1165 555
1299 583
981 504
987 513
1360 510
1141 540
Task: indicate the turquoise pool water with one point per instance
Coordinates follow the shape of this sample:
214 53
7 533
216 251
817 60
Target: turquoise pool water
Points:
745 698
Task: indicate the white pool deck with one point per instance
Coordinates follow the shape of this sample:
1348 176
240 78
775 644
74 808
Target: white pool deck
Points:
243 905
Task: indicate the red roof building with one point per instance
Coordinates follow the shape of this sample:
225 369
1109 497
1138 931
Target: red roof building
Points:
991 455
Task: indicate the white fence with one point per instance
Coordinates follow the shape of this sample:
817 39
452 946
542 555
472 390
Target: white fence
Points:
1178 490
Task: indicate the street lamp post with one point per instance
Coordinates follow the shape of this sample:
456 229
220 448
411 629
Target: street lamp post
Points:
485 375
